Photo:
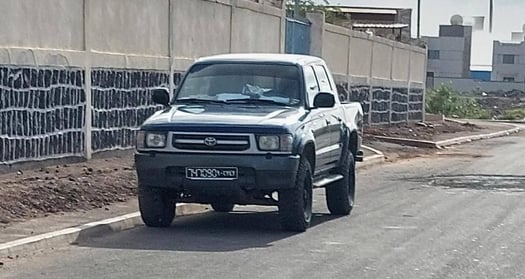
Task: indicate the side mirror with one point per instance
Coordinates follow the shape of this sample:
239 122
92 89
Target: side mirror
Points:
160 96
324 100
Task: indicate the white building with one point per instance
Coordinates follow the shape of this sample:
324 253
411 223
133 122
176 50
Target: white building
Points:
449 54
508 62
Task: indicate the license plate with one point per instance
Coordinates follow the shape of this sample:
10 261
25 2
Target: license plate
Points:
212 173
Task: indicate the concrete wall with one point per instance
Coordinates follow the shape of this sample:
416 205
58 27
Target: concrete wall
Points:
76 75
401 64
361 56
471 85
387 77
382 61
129 26
193 38
250 29
335 48
57 24
418 62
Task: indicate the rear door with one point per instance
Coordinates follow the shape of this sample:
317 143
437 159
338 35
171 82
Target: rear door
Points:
318 125
332 116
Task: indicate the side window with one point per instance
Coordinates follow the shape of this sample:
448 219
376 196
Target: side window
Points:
324 81
312 87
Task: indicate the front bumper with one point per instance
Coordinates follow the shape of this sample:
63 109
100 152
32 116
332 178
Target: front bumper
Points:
256 172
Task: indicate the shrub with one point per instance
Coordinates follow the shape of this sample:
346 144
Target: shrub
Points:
514 114
446 101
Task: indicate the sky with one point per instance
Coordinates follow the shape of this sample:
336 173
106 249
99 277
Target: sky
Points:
509 16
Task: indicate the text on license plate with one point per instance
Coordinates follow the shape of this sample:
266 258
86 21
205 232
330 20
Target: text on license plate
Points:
212 173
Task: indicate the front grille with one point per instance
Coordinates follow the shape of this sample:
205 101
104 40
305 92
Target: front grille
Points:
211 142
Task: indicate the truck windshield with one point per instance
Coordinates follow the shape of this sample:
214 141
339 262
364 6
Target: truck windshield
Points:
261 84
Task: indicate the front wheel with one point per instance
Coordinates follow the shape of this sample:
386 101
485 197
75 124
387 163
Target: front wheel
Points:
341 194
295 205
156 209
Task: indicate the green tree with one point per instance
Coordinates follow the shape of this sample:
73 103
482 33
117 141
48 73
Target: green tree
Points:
307 6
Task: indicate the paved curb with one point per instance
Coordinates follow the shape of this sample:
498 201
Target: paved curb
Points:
378 158
467 139
444 143
51 240
409 142
509 121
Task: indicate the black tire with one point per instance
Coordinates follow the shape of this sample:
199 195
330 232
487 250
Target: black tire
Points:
340 195
224 207
156 209
295 205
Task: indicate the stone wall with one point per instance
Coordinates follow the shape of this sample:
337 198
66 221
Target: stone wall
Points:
42 113
386 77
76 75
120 103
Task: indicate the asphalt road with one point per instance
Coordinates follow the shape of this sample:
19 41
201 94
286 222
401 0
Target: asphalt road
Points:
460 214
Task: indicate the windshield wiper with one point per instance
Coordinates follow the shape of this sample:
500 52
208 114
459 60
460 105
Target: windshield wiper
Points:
255 101
199 101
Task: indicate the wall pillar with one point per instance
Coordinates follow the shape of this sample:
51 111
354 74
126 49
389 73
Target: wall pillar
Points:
370 80
424 109
88 150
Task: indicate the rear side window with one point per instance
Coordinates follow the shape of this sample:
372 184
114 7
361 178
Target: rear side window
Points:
312 87
322 77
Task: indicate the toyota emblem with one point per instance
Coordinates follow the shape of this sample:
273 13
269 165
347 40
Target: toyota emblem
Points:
210 141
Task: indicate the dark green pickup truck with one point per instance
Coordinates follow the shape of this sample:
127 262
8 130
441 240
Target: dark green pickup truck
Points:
262 129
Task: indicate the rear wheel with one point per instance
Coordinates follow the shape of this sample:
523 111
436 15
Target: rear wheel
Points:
341 194
222 206
295 205
156 209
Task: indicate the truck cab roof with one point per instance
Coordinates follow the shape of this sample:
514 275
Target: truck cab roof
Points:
295 59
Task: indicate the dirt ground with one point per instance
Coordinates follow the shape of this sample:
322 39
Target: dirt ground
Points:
63 188
101 182
432 131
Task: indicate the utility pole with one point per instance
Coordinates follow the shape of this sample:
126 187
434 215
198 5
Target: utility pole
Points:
491 15
418 19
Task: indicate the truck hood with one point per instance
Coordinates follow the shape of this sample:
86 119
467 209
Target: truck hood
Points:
220 115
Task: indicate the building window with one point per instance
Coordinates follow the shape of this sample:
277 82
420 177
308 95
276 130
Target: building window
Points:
433 54
508 58
509 79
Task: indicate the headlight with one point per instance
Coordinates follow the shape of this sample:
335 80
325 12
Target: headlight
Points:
150 140
156 140
269 143
282 143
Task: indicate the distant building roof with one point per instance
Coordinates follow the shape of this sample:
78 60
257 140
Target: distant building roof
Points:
380 25
357 10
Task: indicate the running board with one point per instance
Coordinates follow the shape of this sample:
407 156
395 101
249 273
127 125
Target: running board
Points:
359 156
327 180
